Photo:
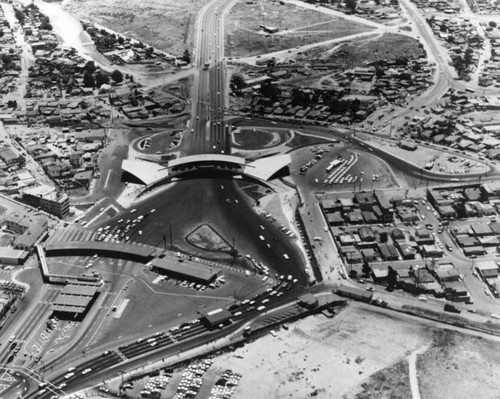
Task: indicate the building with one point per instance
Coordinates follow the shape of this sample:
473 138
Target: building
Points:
30 229
185 270
75 300
308 301
408 145
214 318
10 256
487 269
269 29
8 156
446 273
432 251
47 199
355 293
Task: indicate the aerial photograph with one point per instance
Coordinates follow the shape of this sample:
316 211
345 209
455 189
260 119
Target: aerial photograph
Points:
250 199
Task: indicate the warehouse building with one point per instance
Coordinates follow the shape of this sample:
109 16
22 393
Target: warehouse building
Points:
186 270
10 256
215 317
75 300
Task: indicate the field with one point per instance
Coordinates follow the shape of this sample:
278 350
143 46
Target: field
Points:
301 26
357 52
327 358
459 366
362 353
164 24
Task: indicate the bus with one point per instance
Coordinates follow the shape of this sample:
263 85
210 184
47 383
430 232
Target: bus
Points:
333 164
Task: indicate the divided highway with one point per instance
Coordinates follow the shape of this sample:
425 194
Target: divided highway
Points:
207 129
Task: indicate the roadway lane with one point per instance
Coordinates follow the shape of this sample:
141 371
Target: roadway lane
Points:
206 134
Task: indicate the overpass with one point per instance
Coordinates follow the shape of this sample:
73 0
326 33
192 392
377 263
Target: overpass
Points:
133 252
262 170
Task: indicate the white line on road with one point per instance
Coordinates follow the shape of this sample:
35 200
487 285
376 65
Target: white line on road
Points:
107 178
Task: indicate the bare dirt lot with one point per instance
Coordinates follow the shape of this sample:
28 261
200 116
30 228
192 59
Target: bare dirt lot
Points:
244 36
459 366
326 358
164 24
362 353
357 52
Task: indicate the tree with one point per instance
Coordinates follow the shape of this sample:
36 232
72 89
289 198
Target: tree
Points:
12 104
384 236
117 76
468 60
90 67
101 79
186 56
149 52
392 278
236 84
493 24
351 5
366 269
298 97
88 80
269 90
19 15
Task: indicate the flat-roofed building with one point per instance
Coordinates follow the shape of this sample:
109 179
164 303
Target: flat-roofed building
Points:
11 256
48 199
487 268
29 227
75 300
214 318
186 270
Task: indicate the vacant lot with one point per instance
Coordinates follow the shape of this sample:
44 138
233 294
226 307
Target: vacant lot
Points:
165 24
244 37
362 353
357 52
326 358
459 366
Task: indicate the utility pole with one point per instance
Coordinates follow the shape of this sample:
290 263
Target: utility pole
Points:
234 252
170 231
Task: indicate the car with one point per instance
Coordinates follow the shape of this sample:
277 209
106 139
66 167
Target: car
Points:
86 371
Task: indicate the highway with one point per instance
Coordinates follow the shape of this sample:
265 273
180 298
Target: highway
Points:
186 204
207 130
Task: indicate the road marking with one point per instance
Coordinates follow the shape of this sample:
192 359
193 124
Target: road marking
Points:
107 178
6 376
3 387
